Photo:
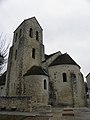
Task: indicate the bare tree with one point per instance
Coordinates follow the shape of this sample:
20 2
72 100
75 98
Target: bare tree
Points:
4 50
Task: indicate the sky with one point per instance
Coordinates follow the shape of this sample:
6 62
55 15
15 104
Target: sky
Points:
65 23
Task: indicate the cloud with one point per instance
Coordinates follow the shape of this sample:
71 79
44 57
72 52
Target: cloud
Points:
2 1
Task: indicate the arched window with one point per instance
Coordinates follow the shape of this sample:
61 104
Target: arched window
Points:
20 33
1 88
15 54
33 53
64 77
16 37
45 84
31 32
37 37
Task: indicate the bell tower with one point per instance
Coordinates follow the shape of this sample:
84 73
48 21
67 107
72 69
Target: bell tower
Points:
27 51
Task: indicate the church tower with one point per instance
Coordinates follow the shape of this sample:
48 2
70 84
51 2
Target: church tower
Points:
27 51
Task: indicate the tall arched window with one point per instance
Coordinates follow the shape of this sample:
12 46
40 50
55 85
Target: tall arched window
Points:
45 84
37 37
64 77
33 53
15 54
16 35
20 33
31 32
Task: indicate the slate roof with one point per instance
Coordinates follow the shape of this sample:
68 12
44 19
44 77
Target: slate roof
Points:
87 75
64 59
36 70
3 79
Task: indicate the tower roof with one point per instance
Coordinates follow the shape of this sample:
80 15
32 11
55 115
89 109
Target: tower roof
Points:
36 70
32 18
64 59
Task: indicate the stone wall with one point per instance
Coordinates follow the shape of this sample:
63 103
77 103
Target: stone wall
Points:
22 104
71 92
16 103
33 85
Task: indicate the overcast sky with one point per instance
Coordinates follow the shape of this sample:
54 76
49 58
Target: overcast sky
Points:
65 23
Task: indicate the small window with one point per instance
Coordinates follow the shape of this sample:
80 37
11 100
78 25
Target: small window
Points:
31 32
37 37
33 53
45 84
55 75
15 54
16 37
64 77
1 88
20 33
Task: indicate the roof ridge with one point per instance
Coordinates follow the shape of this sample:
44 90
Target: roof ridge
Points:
28 19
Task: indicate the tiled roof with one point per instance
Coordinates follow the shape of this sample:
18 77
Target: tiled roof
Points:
3 79
64 59
36 70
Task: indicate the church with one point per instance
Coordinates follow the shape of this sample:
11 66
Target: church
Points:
34 78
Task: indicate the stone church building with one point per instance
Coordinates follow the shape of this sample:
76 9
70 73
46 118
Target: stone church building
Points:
53 79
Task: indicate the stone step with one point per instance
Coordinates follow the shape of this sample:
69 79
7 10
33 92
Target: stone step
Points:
68 113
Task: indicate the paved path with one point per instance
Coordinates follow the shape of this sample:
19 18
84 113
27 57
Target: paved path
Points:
82 114
72 114
57 114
